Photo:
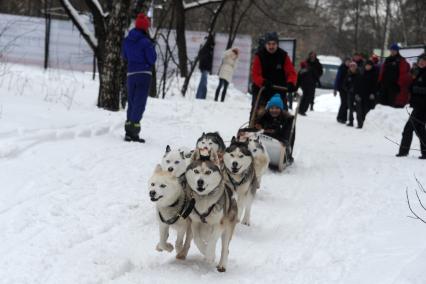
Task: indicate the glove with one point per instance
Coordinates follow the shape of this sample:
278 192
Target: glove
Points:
372 97
267 84
357 98
291 88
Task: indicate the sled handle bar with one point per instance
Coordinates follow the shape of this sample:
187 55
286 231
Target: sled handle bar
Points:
280 88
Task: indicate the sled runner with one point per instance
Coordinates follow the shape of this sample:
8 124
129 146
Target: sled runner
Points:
276 150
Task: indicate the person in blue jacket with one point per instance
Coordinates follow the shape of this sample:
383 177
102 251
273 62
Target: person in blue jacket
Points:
139 52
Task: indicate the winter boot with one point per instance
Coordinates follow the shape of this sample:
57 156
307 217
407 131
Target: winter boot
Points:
132 132
401 154
351 123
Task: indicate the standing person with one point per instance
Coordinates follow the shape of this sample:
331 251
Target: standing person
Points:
417 121
226 71
367 87
359 60
206 63
342 115
139 52
271 66
306 79
394 79
315 67
351 86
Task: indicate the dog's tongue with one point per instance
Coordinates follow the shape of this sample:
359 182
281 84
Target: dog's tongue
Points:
204 152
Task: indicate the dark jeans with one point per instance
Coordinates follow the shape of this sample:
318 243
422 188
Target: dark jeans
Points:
342 115
224 83
202 87
416 123
137 90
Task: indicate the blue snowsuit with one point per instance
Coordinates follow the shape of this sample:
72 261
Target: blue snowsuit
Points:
139 52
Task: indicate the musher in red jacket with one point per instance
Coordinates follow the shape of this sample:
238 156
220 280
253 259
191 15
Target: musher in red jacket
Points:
271 66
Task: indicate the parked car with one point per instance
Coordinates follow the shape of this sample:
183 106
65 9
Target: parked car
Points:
330 66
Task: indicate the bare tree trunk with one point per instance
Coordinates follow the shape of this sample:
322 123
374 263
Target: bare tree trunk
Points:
357 14
180 38
386 28
404 26
110 77
231 25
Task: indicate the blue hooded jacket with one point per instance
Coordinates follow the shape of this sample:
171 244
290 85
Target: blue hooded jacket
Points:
138 51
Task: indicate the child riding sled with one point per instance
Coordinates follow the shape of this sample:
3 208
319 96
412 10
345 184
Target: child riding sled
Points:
277 123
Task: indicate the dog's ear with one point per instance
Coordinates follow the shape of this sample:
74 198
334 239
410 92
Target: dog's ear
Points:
158 169
182 154
214 157
195 155
233 140
168 149
257 139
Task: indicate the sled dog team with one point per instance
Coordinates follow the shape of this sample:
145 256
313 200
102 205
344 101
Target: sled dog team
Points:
203 193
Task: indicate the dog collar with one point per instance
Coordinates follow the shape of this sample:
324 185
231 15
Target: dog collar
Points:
184 212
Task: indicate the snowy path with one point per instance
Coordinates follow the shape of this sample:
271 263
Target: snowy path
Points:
75 209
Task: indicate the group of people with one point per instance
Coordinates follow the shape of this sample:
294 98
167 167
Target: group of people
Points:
361 84
364 83
226 69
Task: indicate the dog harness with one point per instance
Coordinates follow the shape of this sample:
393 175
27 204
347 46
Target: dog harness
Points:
184 212
246 177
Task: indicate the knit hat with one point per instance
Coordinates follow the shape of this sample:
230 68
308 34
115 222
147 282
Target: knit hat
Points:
394 46
422 56
272 36
142 22
276 101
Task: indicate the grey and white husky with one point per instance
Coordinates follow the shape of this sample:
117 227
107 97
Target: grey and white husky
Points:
173 207
211 141
240 175
260 156
215 211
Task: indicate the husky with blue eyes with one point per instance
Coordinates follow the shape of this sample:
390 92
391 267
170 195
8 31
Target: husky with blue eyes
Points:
260 156
174 162
215 211
240 176
173 207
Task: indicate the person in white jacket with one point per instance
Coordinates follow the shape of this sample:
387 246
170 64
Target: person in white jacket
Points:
226 71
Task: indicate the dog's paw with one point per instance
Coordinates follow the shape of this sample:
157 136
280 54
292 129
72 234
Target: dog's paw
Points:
167 247
221 268
246 222
181 255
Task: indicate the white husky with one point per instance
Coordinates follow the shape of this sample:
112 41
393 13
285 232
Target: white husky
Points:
215 211
174 162
240 175
173 206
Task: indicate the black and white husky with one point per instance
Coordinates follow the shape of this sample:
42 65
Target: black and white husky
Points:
173 207
211 141
240 175
215 211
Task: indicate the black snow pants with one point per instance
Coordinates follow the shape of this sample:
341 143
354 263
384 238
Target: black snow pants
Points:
342 115
416 123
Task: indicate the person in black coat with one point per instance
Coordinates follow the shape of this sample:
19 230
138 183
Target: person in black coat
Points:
417 121
205 56
316 67
342 115
307 80
351 86
367 88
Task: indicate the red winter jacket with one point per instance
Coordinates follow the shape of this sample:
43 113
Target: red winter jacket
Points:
404 82
258 77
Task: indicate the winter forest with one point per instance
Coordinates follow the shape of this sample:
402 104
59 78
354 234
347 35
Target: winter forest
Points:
172 141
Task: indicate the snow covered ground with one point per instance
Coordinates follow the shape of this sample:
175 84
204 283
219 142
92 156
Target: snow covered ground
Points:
74 205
